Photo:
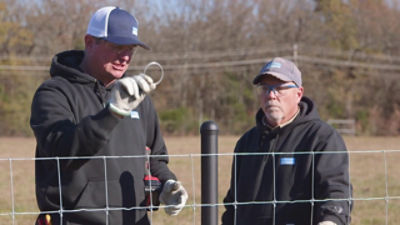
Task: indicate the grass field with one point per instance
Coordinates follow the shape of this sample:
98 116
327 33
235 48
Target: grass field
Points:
375 176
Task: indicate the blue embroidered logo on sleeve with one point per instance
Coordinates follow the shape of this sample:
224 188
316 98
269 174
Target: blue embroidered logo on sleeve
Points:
135 115
288 161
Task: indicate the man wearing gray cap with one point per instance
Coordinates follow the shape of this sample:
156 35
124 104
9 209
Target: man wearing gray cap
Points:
291 168
92 125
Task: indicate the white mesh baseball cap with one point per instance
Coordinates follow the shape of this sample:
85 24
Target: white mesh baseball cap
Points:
115 25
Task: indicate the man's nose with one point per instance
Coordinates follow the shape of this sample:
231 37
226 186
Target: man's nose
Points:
271 93
125 55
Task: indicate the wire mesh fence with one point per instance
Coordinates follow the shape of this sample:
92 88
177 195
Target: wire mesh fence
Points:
374 174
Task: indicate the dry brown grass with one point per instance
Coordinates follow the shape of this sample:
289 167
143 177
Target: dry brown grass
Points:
367 170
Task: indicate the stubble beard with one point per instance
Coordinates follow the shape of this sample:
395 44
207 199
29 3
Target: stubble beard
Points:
273 114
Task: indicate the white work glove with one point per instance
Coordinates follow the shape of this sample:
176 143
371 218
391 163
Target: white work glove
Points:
129 92
327 223
174 196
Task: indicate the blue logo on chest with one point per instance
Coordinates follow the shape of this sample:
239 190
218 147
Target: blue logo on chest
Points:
287 161
135 115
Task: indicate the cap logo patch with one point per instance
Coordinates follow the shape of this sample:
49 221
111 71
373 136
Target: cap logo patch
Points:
274 65
134 31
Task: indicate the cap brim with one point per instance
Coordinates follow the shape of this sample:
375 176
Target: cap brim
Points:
282 77
128 41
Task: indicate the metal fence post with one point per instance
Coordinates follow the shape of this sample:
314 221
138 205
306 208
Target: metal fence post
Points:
209 172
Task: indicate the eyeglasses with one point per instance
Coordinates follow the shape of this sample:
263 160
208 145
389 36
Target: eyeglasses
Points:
278 89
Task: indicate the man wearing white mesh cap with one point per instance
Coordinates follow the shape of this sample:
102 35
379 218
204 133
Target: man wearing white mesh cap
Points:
94 122
291 168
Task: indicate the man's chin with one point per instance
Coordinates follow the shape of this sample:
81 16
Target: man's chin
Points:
274 118
117 74
272 111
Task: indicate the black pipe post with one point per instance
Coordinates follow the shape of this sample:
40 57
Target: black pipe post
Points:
209 172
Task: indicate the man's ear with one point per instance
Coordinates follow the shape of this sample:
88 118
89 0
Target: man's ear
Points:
300 92
89 41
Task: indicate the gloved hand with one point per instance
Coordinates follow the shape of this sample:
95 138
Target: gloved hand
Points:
327 223
174 196
129 92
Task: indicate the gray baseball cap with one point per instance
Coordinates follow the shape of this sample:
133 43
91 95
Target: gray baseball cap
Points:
282 69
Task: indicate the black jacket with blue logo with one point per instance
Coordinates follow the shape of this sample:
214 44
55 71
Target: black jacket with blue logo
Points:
70 119
297 174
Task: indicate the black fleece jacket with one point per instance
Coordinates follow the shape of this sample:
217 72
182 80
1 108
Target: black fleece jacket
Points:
279 172
70 119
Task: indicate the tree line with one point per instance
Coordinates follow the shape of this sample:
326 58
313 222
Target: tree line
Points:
348 52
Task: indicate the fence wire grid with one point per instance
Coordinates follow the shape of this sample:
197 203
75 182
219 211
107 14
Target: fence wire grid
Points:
374 175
